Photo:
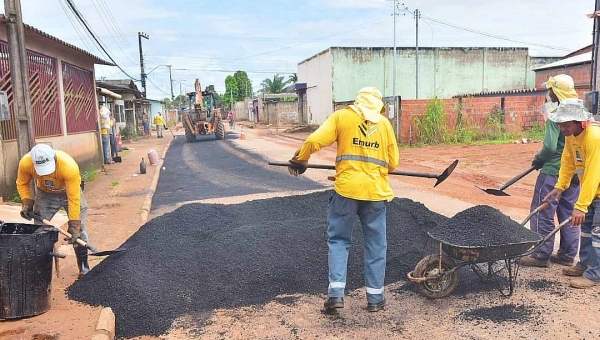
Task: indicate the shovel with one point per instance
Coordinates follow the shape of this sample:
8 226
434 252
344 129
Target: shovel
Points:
500 191
94 251
440 178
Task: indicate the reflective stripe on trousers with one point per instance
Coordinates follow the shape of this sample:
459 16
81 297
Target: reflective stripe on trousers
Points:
589 252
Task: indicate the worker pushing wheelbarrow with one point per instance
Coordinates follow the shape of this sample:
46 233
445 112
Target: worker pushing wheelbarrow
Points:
491 246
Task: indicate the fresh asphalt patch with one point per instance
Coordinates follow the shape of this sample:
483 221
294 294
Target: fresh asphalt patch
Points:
212 169
201 257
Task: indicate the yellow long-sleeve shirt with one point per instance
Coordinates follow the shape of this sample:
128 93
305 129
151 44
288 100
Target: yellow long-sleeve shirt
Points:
158 120
366 152
66 178
581 156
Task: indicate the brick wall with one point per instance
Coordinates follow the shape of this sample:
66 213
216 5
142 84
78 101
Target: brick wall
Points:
520 113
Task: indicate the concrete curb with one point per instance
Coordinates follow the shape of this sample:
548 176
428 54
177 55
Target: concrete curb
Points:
147 205
106 324
105 327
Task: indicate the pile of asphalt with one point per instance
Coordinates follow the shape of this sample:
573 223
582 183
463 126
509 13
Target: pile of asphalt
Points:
482 226
202 257
503 313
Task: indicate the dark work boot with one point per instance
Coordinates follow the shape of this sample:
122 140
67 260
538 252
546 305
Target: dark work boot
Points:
376 306
81 253
333 303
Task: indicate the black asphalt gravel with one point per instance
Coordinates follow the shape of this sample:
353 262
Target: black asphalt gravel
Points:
501 314
215 168
482 226
206 256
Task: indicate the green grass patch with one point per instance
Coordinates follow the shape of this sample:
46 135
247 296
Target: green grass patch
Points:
114 183
89 175
15 197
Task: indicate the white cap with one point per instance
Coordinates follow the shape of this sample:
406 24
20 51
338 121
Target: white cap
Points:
43 159
570 109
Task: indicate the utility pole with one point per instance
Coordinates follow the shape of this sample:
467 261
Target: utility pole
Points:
394 67
19 76
595 16
231 97
143 74
417 15
171 82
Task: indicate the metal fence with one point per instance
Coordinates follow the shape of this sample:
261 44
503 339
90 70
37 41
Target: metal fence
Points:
43 86
80 103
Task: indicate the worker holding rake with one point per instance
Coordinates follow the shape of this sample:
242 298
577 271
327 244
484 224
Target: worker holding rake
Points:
366 151
581 156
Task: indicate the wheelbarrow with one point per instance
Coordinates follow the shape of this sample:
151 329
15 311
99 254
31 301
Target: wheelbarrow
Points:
436 276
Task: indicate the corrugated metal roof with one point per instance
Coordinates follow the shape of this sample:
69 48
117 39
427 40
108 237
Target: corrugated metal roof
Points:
97 60
517 92
578 59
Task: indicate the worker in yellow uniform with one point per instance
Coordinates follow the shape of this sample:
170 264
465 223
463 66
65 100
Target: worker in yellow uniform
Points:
160 124
581 156
104 116
366 151
58 185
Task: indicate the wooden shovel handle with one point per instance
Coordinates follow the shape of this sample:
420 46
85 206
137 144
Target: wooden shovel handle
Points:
79 241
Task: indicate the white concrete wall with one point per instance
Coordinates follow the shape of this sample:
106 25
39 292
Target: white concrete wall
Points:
317 74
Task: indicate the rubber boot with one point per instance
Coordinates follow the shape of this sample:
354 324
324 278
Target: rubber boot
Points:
81 253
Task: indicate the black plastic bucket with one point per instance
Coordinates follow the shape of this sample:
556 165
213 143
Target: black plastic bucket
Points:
25 269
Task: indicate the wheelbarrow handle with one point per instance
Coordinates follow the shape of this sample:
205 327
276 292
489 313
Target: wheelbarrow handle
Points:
546 238
535 211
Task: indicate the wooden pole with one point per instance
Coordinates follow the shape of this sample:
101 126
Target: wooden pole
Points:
19 76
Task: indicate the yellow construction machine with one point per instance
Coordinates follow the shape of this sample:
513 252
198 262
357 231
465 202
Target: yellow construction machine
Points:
203 118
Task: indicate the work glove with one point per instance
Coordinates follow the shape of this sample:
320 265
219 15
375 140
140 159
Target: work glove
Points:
296 166
537 163
75 230
27 208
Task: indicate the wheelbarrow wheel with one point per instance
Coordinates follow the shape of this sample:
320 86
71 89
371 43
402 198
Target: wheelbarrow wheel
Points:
430 267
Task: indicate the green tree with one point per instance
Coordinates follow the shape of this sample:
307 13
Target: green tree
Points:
293 78
275 85
244 85
231 91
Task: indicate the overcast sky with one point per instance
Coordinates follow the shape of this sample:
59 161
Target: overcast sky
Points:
212 39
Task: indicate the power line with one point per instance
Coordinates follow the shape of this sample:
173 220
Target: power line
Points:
75 28
110 29
487 34
161 90
85 24
363 25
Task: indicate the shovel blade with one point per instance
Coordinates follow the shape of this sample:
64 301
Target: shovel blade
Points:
495 192
442 177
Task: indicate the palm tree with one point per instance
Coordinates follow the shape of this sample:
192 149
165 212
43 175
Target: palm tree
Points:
293 78
275 85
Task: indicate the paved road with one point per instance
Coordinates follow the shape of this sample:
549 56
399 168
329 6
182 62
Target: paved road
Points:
211 169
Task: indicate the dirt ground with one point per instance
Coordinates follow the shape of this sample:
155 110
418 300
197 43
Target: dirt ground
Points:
115 215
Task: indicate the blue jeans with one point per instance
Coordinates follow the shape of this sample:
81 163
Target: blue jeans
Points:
340 222
113 145
589 252
543 222
106 148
